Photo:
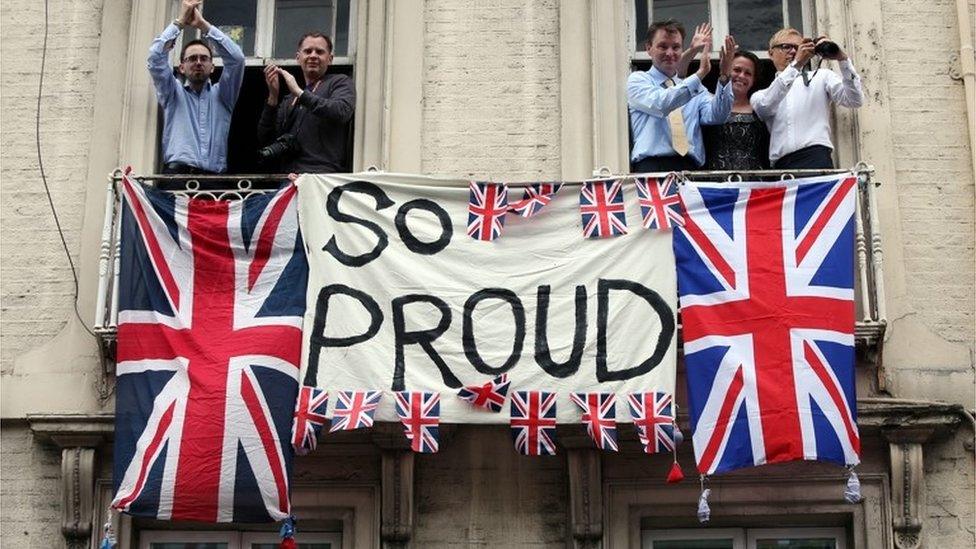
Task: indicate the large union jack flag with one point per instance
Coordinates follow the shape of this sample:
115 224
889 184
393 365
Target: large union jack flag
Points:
211 301
420 413
487 206
600 417
309 419
536 197
602 209
533 422
653 415
354 410
659 202
766 283
490 396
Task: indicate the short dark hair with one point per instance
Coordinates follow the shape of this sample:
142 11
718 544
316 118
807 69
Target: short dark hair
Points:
755 63
315 34
668 25
196 42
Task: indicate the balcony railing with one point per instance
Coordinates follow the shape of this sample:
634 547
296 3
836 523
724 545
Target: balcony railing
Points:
869 282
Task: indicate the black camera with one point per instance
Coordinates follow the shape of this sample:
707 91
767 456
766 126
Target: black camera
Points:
827 49
286 145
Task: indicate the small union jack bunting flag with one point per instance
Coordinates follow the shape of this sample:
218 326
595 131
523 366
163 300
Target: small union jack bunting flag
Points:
420 413
487 206
600 417
602 209
535 197
354 410
490 396
659 202
533 422
653 415
309 419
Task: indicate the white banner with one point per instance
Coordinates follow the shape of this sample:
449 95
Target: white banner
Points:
401 298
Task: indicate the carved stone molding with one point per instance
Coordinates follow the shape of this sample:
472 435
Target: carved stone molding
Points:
78 436
585 487
907 480
396 523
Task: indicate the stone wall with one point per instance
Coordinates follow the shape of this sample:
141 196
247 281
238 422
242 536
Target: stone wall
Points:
38 289
31 489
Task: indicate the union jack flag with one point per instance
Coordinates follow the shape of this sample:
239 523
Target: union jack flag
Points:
766 283
490 396
653 415
659 202
533 422
355 410
211 300
600 417
535 197
487 206
602 209
420 413
309 419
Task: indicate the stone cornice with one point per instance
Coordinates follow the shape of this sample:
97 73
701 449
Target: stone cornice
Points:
70 430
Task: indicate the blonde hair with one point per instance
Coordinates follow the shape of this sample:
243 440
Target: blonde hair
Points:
783 33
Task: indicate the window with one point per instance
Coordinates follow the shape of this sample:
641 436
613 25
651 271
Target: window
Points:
752 22
751 538
172 539
269 30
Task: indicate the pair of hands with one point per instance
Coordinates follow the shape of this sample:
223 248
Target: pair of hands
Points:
701 44
191 16
271 78
806 50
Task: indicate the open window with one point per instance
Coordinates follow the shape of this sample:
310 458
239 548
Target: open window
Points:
268 32
745 538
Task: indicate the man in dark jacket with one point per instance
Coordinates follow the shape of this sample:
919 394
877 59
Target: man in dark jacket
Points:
307 131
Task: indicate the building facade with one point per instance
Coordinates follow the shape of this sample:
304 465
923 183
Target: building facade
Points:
500 90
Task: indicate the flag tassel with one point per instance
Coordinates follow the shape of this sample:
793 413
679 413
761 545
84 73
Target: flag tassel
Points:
852 492
288 533
676 475
704 511
108 533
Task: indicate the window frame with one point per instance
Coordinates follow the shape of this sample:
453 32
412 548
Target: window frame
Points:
744 538
719 10
235 539
264 27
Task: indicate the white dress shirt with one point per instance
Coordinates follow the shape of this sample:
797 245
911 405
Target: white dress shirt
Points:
798 115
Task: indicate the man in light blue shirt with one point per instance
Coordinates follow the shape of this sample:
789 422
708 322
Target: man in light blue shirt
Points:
196 113
657 97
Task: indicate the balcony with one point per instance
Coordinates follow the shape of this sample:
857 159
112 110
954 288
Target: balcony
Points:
868 286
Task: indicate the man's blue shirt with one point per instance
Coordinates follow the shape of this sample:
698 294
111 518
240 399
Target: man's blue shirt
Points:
650 103
196 125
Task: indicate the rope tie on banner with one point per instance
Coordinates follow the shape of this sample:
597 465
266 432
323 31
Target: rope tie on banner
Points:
704 511
108 533
676 475
287 533
852 492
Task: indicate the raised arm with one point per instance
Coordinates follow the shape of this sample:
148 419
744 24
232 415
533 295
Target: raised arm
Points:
644 95
700 40
765 102
158 63
339 104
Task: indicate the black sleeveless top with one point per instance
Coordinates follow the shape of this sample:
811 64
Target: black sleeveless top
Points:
742 143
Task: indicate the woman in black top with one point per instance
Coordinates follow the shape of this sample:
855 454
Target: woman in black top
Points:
742 143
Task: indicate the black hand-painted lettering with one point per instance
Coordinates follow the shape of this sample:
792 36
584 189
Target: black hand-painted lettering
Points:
413 243
318 340
332 208
603 312
424 338
543 356
467 336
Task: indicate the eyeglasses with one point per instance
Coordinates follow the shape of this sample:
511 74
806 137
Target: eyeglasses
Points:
786 47
196 58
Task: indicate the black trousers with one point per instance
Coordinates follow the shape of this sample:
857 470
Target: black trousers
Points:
814 157
663 164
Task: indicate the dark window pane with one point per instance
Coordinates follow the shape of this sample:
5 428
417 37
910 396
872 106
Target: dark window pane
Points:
293 18
795 15
342 28
689 13
236 18
694 544
752 22
320 545
187 545
796 543
640 24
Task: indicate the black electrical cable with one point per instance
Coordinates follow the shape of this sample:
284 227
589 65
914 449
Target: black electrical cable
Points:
40 165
